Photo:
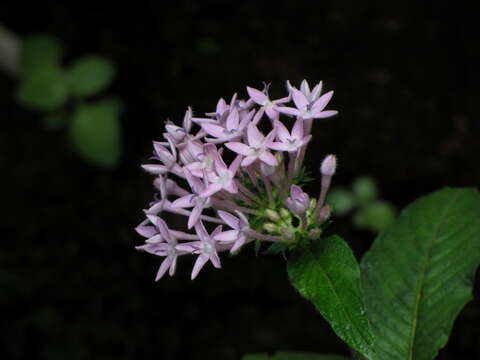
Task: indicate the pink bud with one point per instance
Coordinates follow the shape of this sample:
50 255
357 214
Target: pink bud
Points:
329 165
298 202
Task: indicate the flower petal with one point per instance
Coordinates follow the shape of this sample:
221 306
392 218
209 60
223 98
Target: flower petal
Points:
238 147
299 99
229 236
282 131
213 130
268 158
229 219
255 137
163 268
199 263
297 131
232 120
183 202
257 96
322 101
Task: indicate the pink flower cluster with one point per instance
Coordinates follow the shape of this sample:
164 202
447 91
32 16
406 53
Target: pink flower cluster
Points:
255 197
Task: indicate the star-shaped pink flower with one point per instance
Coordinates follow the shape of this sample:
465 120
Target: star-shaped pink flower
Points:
290 141
257 148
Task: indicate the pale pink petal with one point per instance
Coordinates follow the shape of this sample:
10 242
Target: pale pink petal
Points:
163 268
258 116
287 110
231 187
297 131
299 99
322 101
257 96
162 227
201 261
278 146
271 112
229 235
187 247
173 266
305 140
238 244
232 120
194 216
221 106
249 160
235 165
215 260
268 158
217 230
155 169
282 131
231 220
213 130
210 190
283 100
316 91
146 231
186 201
201 231
304 88
238 147
325 114
255 137
295 191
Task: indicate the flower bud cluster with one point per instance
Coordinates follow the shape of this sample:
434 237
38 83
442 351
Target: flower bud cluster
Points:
239 169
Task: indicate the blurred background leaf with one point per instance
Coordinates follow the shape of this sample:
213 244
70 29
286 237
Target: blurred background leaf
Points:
90 75
37 52
43 89
95 132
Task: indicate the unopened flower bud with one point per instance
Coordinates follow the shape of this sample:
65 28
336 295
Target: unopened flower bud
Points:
324 213
314 234
329 165
298 202
272 215
270 227
284 213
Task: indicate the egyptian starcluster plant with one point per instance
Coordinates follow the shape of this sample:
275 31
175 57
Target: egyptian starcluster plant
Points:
257 197
399 303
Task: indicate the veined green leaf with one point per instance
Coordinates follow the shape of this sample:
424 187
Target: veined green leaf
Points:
327 274
419 274
284 355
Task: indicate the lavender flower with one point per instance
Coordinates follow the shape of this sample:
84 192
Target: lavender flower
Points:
255 198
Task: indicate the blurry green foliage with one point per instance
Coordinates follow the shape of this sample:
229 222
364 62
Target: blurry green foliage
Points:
45 85
368 212
95 132
90 75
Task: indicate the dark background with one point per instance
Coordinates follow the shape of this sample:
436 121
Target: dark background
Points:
405 76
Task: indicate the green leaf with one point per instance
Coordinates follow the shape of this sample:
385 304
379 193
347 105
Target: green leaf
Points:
283 355
365 189
341 200
90 75
39 51
419 274
44 89
327 274
95 132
